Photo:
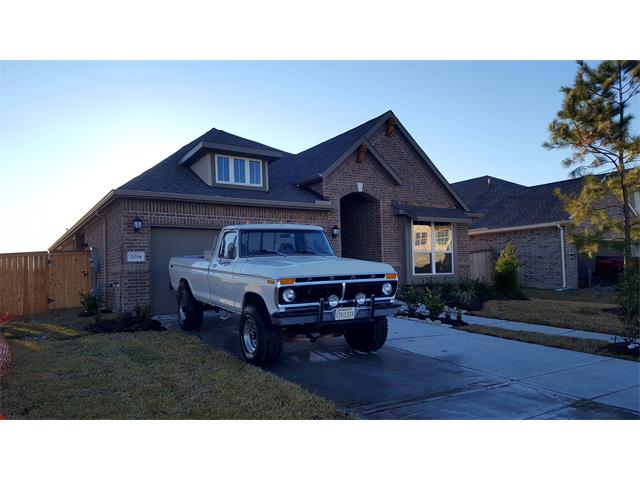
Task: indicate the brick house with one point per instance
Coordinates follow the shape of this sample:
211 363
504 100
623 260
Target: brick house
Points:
375 192
534 220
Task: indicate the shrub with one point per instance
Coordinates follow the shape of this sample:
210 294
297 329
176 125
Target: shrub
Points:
506 274
628 294
445 288
92 301
464 297
410 295
434 302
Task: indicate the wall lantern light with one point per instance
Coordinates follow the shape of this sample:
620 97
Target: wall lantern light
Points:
137 224
335 231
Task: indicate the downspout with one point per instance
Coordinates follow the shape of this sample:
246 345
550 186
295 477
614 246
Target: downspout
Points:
564 266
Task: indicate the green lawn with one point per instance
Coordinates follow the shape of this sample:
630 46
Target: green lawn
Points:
60 372
587 309
595 347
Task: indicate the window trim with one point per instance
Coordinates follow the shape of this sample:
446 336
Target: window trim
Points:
247 171
433 251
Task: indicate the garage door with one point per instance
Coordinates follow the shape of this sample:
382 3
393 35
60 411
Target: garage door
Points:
167 243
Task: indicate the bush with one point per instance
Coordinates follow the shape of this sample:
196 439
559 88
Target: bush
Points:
628 294
434 302
506 274
410 295
92 302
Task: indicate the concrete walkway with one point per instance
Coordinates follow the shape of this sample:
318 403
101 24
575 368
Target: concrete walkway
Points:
533 327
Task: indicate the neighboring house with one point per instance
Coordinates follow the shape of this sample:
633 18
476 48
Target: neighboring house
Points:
373 190
534 220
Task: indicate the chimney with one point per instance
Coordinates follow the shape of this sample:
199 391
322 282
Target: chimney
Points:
488 181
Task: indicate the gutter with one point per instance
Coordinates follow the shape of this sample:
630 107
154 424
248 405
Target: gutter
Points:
481 231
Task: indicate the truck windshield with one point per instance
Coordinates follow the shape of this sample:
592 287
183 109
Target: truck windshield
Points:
255 243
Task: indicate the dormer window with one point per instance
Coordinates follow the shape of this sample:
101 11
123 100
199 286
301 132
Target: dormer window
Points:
239 171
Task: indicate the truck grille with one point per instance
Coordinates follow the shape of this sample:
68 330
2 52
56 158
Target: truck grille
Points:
368 288
313 293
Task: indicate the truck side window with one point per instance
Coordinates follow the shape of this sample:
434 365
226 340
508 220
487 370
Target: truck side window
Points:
228 246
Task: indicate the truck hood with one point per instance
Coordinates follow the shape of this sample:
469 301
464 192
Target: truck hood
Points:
309 266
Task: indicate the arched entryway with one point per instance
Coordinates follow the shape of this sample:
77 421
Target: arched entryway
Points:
360 227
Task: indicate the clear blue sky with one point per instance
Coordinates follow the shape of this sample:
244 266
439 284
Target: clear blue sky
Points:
71 131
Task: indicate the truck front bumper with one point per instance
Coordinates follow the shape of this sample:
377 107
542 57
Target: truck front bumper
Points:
319 315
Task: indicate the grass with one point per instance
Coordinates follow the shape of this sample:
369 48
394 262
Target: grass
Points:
69 374
588 309
595 347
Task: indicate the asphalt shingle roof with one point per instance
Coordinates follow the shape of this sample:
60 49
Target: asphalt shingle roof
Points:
510 205
168 176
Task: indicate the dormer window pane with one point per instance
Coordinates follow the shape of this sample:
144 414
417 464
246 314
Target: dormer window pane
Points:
254 172
223 169
238 171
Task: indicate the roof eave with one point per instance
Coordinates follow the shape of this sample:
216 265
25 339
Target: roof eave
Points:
204 146
533 226
108 198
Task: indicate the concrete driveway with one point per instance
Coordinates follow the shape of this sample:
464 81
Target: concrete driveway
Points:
433 372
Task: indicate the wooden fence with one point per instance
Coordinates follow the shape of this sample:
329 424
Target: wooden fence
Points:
482 263
38 281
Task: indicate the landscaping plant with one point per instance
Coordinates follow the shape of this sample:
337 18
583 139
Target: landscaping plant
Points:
507 284
92 302
434 302
629 303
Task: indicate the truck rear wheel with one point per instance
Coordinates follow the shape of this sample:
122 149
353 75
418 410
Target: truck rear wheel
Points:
368 337
260 342
189 309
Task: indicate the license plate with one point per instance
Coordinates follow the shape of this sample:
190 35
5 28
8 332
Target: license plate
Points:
348 313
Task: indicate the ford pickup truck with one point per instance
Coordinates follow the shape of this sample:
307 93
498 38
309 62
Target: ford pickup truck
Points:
285 281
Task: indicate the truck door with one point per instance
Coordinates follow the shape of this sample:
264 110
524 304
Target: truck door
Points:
221 278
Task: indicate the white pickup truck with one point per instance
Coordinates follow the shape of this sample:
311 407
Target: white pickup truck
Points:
285 280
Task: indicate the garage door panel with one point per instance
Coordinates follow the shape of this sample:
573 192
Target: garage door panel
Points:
168 242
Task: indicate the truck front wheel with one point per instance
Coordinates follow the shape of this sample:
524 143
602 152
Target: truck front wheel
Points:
189 309
368 337
260 342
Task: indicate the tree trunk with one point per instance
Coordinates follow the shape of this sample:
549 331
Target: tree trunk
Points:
625 194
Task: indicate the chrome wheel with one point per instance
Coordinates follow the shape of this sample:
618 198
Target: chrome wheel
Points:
250 336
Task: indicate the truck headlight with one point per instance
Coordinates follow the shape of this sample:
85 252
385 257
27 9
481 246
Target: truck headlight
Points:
387 288
288 295
333 301
361 298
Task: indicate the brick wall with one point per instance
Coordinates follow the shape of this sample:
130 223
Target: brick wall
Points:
539 254
136 277
374 230
420 186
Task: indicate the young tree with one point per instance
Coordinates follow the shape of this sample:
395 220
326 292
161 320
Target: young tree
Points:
595 124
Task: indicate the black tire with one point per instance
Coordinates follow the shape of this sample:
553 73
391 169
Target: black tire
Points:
368 337
260 342
189 309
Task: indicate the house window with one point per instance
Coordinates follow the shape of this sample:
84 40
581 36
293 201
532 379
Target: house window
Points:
432 248
238 171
